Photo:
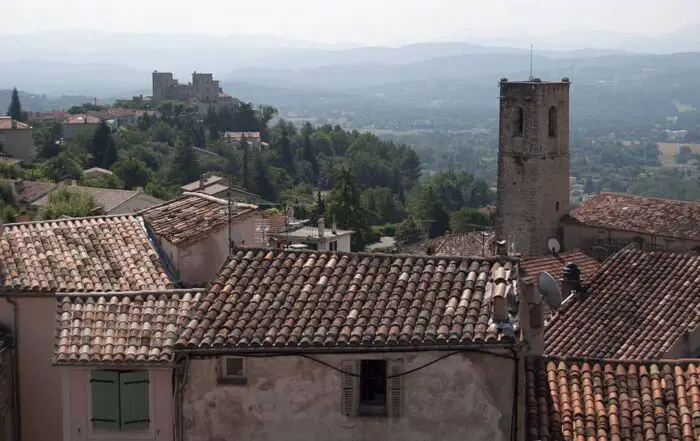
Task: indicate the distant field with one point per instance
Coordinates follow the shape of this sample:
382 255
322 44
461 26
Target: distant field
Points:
669 150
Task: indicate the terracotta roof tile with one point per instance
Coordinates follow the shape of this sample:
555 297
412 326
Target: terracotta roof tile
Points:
85 254
274 298
6 123
637 306
189 217
640 214
121 328
107 198
554 265
611 400
455 244
30 191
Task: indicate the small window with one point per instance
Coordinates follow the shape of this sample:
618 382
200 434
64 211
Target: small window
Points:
120 400
231 370
372 388
518 121
553 121
333 246
311 245
556 205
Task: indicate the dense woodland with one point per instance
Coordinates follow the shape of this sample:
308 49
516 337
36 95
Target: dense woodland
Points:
359 180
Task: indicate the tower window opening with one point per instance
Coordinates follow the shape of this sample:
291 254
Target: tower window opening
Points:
553 121
556 205
518 121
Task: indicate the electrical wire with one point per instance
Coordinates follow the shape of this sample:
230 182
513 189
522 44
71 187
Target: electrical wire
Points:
401 374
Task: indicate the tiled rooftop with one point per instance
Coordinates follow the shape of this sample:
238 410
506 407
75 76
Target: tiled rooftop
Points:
30 191
238 136
554 265
82 119
109 199
6 124
640 214
273 298
189 217
600 400
121 328
455 244
636 307
84 254
198 184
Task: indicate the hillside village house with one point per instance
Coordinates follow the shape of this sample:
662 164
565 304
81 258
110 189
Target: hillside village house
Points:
609 221
317 238
193 232
219 187
16 139
42 259
115 354
76 124
306 345
109 201
252 138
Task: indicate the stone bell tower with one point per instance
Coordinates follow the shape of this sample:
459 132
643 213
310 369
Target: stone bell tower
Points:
533 163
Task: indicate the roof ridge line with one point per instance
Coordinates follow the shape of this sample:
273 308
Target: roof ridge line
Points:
586 359
129 293
46 221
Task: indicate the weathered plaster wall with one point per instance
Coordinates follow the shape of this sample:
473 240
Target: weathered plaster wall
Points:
40 382
464 397
6 392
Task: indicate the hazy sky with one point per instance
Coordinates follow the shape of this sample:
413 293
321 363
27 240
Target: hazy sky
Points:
361 21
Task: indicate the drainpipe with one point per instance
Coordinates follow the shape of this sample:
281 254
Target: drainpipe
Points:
15 369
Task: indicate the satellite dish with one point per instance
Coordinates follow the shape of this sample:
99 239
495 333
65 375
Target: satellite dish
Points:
553 245
549 290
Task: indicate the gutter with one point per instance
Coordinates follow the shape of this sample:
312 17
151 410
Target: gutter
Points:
15 370
307 350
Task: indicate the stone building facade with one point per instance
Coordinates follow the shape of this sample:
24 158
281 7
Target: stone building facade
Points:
533 163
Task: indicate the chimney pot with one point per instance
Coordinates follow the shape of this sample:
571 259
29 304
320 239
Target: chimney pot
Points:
571 279
321 227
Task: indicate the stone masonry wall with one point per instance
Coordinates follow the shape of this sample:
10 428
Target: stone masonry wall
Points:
533 165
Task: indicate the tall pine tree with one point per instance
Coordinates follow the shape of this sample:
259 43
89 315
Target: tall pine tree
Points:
15 110
345 206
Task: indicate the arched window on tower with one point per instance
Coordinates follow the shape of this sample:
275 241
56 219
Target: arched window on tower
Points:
553 121
518 121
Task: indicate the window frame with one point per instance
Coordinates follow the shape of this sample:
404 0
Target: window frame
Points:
350 388
226 379
128 434
333 245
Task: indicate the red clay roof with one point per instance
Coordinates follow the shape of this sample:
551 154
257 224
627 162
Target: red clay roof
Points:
30 191
189 217
121 328
6 124
640 214
272 298
569 400
636 307
82 254
455 244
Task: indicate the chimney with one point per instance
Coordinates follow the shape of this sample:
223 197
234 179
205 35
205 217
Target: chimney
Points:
202 181
321 227
73 183
19 186
334 227
571 280
501 249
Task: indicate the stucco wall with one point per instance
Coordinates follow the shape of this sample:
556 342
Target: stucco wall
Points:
198 262
76 413
40 382
6 394
577 236
19 144
463 397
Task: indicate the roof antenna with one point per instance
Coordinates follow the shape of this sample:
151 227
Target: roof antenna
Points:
531 77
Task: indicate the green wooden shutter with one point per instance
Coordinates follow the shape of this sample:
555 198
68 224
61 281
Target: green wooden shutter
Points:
351 387
104 387
134 400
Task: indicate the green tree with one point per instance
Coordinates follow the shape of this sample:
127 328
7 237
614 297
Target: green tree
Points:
469 219
184 167
285 151
68 202
344 204
408 231
261 180
101 180
102 147
15 111
132 172
62 166
245 172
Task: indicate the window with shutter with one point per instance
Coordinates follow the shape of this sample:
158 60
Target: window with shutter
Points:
351 382
104 387
395 388
120 400
134 400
